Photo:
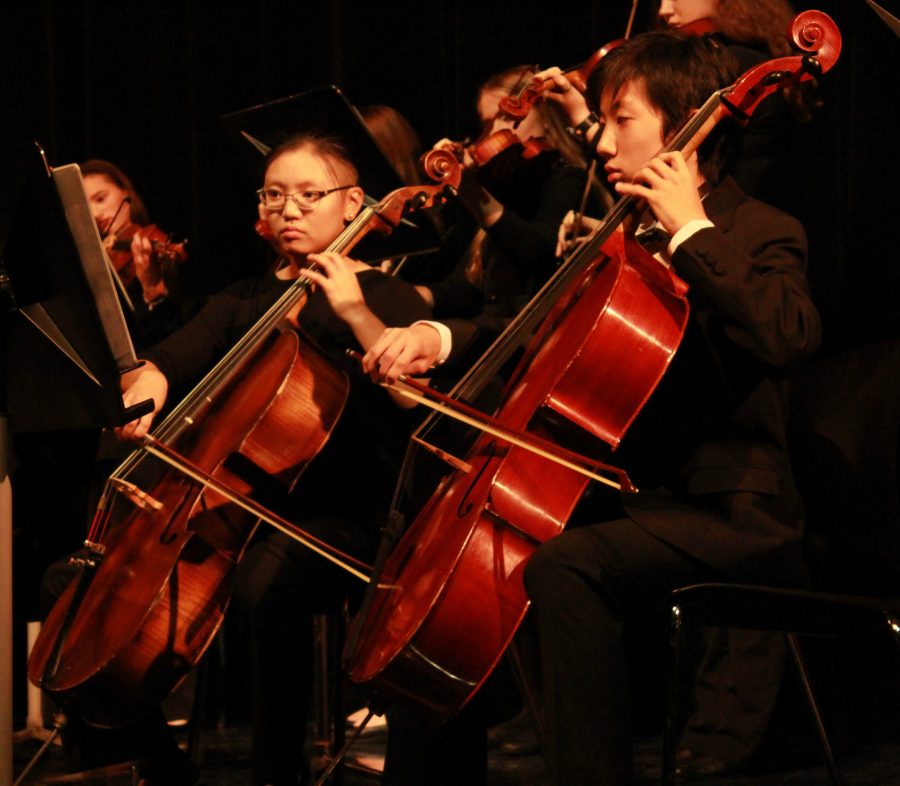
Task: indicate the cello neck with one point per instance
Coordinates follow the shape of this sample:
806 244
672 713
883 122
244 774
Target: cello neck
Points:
688 138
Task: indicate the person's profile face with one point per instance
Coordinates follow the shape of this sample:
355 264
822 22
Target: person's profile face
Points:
632 131
106 199
678 13
297 232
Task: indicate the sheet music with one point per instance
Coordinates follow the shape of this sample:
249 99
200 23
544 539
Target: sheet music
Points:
94 262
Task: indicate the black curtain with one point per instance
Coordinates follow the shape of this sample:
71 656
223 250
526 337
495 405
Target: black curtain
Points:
144 85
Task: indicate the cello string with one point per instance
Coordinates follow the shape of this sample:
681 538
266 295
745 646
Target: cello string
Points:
530 443
202 395
187 410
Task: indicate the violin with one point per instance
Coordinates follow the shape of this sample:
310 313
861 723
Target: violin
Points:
165 253
176 517
519 105
702 26
483 151
491 144
600 336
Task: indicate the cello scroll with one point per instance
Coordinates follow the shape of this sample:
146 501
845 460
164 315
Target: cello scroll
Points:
814 33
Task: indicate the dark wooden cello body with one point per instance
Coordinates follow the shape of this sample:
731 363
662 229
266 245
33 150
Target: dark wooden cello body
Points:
462 557
155 586
450 596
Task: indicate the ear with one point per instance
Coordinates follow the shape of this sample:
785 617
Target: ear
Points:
353 203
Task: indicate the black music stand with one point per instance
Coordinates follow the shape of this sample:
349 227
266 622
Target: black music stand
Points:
888 14
63 340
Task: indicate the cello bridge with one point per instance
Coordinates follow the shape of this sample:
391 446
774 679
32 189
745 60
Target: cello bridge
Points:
135 495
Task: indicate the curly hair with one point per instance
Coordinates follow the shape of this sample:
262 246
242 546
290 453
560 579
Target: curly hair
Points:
763 24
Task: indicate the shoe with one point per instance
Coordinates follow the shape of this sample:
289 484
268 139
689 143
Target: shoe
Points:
522 745
693 766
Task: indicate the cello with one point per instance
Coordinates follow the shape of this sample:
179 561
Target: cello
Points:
604 329
155 578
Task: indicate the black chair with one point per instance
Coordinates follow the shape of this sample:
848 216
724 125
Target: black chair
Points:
793 612
845 450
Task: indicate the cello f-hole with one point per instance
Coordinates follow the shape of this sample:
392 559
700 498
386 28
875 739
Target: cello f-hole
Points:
465 506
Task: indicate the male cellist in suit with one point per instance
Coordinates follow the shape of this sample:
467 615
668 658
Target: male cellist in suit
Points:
709 451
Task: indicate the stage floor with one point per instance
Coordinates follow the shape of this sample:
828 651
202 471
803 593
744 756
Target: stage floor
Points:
223 756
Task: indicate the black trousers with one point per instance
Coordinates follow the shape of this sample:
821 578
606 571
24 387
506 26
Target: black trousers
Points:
280 584
583 584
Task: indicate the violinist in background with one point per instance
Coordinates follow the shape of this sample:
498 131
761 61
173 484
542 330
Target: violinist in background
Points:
144 260
708 451
517 201
758 24
399 142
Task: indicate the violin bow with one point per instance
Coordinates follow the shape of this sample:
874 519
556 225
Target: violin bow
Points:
592 168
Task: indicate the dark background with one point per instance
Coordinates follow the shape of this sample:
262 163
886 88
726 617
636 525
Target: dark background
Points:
145 85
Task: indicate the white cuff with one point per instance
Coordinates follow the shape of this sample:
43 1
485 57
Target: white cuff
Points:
688 230
446 338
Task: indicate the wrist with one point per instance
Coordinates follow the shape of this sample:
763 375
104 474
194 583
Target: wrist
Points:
686 231
580 130
354 314
155 292
436 338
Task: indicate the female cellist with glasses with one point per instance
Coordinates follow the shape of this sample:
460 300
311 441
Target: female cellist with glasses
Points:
308 196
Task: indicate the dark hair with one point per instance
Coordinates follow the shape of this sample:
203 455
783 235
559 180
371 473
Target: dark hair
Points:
678 74
97 166
396 138
764 26
328 147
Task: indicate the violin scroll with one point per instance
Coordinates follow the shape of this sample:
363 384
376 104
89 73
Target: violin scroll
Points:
518 106
815 32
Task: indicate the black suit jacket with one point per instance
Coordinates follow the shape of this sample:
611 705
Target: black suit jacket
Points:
711 448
